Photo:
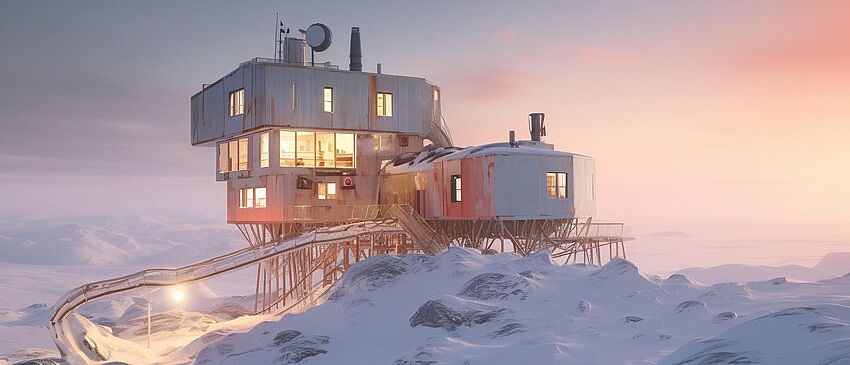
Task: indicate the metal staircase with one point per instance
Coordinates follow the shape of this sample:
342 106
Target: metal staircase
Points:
424 237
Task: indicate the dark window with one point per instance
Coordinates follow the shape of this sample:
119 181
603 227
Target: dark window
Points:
455 188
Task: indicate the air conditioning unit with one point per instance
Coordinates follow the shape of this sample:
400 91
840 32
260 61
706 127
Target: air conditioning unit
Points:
348 182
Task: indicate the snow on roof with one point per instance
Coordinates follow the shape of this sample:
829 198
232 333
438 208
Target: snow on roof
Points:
424 161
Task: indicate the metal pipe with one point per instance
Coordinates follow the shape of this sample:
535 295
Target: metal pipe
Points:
355 54
535 126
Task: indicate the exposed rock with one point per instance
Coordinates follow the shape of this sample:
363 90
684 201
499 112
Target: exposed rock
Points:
725 316
369 275
507 330
436 314
631 319
583 306
295 346
489 286
285 336
691 305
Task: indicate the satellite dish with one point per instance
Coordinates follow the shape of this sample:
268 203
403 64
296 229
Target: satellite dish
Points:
319 37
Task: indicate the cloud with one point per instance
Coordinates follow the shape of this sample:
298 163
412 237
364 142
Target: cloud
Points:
807 38
485 83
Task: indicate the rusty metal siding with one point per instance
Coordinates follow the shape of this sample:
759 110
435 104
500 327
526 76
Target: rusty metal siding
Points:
268 102
477 186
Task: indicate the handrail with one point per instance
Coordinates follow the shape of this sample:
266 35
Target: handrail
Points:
202 270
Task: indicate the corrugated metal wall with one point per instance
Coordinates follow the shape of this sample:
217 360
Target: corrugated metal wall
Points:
269 96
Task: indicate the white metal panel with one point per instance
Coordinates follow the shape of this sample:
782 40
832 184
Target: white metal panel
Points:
583 189
520 186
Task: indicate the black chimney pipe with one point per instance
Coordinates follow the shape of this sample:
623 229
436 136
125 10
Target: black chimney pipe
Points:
355 54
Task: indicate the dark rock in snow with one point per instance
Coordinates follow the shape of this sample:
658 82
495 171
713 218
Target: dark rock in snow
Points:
690 305
583 306
631 319
507 330
369 275
294 348
725 316
490 286
436 314
285 336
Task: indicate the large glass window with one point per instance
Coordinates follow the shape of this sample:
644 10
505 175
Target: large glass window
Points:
326 190
306 146
328 104
287 149
325 149
345 143
264 150
385 104
233 155
556 185
455 188
317 149
236 104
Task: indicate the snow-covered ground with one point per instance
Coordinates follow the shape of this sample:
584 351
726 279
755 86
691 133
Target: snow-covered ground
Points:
459 307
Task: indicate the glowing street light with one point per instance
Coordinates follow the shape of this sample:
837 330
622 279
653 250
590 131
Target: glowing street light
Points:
177 295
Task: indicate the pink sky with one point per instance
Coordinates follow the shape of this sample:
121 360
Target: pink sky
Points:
702 116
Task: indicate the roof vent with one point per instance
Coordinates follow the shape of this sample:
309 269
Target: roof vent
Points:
355 54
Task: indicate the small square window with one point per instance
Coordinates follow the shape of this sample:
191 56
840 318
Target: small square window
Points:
260 197
328 104
385 104
556 185
456 189
246 198
236 103
326 190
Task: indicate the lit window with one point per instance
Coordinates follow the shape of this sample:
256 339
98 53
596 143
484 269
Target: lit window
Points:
233 155
246 198
236 106
260 197
345 143
243 154
385 105
223 158
436 95
325 149
327 190
455 188
376 143
556 185
306 147
317 149
264 150
329 100
287 149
